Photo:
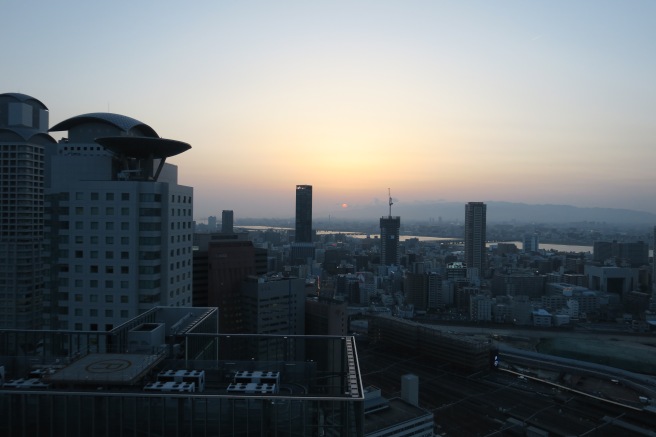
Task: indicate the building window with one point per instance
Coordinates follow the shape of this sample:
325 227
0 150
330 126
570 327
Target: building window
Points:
94 196
125 226
109 196
109 210
125 196
109 226
125 211
109 298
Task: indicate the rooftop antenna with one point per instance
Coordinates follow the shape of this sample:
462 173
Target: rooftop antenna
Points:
389 194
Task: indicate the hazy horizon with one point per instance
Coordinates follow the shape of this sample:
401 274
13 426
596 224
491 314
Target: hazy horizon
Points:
528 102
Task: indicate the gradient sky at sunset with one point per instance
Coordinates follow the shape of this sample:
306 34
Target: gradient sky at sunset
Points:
521 101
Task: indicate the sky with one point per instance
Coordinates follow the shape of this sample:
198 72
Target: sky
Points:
521 101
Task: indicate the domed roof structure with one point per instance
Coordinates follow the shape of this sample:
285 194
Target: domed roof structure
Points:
24 98
28 123
121 122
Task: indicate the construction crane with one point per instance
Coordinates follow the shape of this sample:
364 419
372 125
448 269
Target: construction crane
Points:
389 194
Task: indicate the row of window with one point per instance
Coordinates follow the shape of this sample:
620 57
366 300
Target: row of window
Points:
111 196
93 312
20 148
125 226
94 269
94 283
93 298
95 196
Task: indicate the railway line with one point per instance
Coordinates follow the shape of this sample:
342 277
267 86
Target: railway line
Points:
493 403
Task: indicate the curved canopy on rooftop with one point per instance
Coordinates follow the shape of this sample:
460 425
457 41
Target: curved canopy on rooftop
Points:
143 147
122 122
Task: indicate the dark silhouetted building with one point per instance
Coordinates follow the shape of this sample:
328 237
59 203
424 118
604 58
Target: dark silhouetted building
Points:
227 221
389 240
303 214
230 262
475 219
326 316
23 139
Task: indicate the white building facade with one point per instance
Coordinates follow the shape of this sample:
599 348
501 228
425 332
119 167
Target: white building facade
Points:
119 225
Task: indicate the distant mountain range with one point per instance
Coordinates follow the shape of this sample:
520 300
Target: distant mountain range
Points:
500 212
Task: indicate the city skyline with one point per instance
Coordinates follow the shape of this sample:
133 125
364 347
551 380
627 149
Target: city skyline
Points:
532 103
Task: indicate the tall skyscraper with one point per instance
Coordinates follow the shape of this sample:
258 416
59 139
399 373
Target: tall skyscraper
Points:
389 238
475 223
531 243
227 218
120 226
23 139
211 223
303 214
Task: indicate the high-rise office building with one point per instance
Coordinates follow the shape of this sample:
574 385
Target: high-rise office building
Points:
531 243
389 240
274 306
211 223
23 139
475 223
303 214
230 262
120 226
227 219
